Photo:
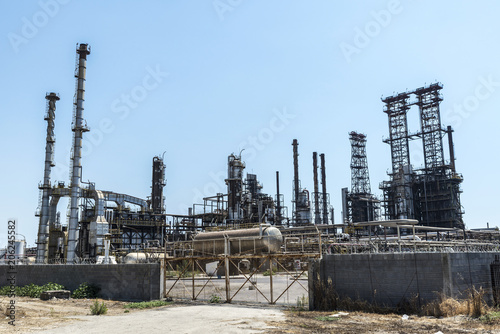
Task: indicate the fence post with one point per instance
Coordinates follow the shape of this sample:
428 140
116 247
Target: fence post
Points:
226 265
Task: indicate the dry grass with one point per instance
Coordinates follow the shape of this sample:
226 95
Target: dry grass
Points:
327 299
474 306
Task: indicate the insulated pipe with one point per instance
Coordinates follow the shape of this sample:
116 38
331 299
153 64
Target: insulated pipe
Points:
43 228
317 218
323 184
78 129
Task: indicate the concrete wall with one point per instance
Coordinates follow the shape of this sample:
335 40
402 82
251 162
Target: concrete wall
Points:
131 282
392 278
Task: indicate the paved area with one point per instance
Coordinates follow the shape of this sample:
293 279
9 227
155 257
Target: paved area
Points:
222 319
216 286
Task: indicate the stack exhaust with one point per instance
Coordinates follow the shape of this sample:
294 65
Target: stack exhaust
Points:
317 218
278 199
323 183
296 189
43 229
79 127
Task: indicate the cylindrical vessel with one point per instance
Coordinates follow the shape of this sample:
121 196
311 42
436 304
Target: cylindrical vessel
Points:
19 248
264 239
131 258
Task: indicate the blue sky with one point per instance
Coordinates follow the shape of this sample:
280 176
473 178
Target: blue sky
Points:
203 79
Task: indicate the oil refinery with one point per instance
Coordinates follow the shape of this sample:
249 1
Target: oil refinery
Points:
245 232
97 217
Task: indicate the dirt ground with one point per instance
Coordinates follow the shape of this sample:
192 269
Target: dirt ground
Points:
73 316
357 322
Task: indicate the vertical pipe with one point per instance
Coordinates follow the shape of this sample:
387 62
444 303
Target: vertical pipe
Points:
43 229
451 148
317 218
278 199
323 184
295 145
79 127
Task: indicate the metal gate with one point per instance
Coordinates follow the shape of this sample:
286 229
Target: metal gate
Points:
273 279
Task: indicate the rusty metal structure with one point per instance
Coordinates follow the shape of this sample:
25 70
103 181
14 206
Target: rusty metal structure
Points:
359 204
430 194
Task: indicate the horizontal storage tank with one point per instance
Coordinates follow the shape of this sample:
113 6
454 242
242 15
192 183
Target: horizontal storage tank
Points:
131 258
264 239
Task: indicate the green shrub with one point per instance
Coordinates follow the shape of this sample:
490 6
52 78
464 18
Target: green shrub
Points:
86 290
214 299
31 290
268 273
98 308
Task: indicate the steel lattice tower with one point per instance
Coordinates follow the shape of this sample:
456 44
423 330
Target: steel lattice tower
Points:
360 178
430 194
396 108
428 100
359 205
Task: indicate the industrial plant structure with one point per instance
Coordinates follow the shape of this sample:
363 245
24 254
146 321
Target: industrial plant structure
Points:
98 218
359 204
430 194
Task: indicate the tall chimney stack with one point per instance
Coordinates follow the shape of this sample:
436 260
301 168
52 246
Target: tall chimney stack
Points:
79 127
323 183
43 228
296 189
317 218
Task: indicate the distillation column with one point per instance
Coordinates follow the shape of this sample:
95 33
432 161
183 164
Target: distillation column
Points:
79 127
234 184
43 229
158 183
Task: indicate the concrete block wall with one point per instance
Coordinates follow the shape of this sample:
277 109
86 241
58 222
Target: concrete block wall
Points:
130 282
470 269
391 278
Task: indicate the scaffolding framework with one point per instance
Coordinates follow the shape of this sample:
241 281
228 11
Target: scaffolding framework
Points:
430 194
359 205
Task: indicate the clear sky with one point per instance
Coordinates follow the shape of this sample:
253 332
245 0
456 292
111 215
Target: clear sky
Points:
202 79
